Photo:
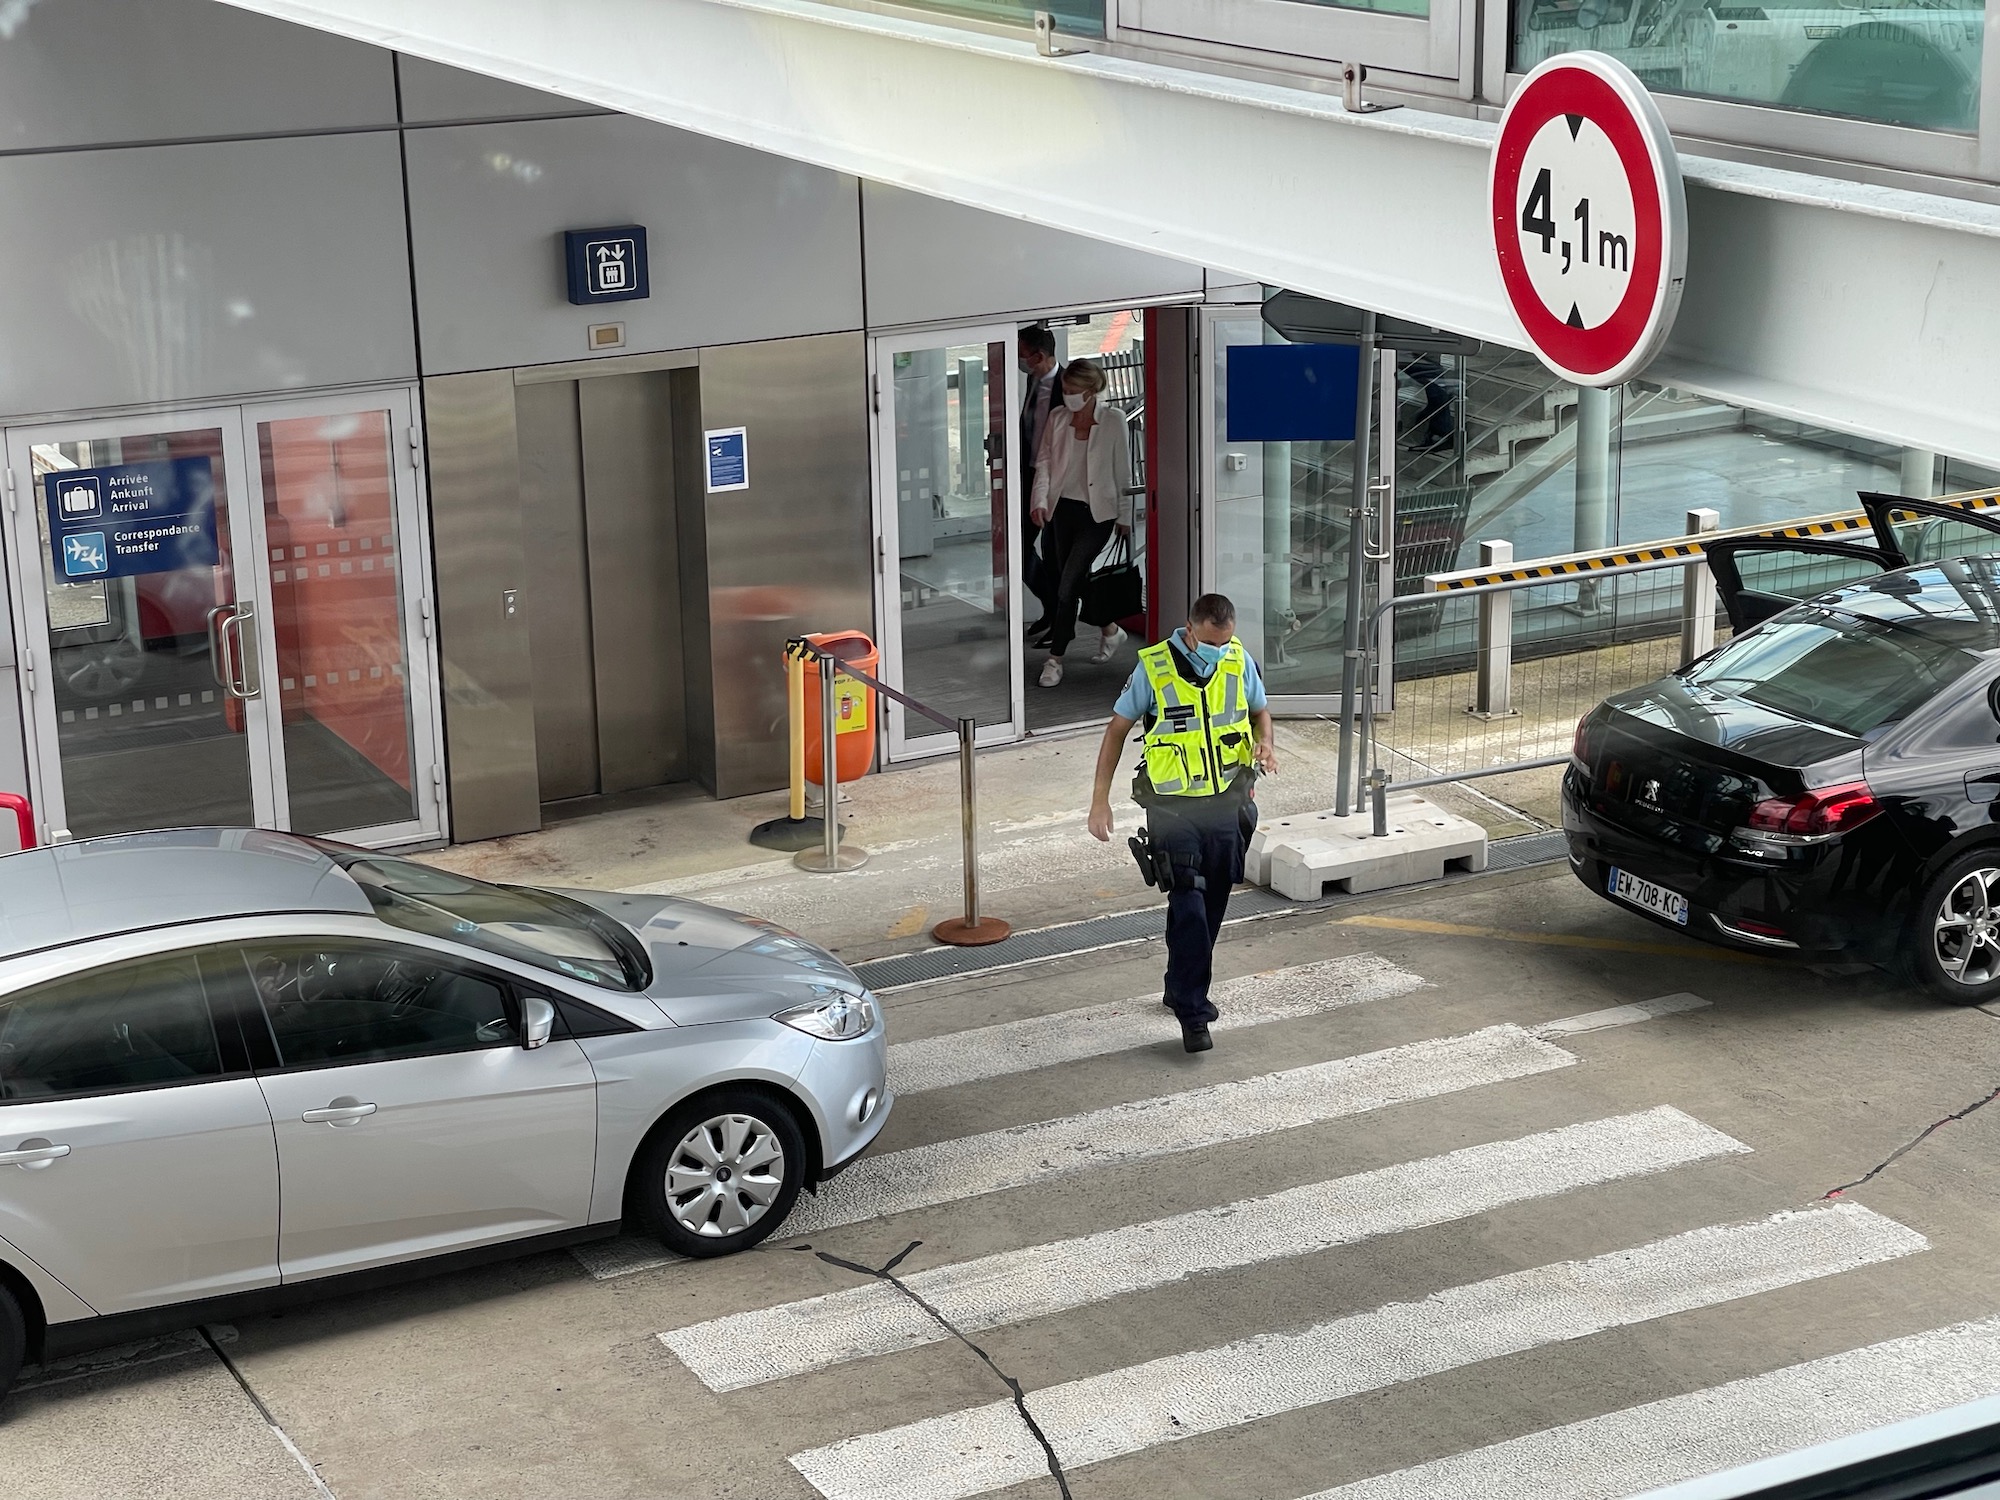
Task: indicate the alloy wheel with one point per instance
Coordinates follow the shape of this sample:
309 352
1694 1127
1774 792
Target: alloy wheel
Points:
1966 932
724 1175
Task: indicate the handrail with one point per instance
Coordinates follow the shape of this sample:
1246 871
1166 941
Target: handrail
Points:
24 816
971 930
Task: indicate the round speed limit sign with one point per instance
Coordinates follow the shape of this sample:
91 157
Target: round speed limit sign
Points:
1589 219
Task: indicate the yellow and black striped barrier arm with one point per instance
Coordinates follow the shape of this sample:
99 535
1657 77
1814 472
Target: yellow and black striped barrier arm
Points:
1685 549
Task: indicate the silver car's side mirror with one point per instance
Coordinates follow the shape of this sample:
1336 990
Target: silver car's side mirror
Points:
538 1022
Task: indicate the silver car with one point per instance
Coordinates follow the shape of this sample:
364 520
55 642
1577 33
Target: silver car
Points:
239 1067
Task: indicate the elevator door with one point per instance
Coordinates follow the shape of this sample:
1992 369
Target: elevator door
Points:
603 604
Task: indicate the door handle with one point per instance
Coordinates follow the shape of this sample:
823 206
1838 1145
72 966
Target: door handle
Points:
237 684
215 646
338 1113
33 1154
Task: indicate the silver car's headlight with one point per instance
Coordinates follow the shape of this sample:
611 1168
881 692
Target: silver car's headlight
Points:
836 1016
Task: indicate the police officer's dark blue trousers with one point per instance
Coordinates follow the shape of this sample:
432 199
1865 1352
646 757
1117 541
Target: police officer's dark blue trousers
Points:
1206 840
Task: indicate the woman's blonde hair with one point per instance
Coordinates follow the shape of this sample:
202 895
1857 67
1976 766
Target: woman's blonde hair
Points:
1087 372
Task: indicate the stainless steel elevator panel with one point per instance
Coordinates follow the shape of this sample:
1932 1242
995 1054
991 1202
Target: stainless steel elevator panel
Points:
556 603
792 553
626 423
489 716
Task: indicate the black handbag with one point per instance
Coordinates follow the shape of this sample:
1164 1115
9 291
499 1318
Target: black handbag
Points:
1114 591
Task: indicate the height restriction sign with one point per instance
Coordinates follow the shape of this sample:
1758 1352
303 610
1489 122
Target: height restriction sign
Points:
1589 219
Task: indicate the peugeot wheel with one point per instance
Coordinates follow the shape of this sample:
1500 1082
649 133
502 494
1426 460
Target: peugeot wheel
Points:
1952 947
719 1173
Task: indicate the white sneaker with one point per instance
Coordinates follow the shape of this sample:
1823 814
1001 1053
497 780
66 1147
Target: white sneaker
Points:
1108 646
1052 671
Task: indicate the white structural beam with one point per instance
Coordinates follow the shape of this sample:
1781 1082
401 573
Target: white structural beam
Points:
1868 309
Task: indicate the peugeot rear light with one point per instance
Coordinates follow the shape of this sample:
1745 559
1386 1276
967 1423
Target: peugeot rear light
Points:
1816 814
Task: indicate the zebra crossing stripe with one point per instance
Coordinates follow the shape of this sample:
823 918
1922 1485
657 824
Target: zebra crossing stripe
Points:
1130 1410
817 1332
1704 1432
1042 1041
970 1166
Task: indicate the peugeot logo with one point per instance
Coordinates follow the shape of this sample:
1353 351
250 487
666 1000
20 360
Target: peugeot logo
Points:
1650 792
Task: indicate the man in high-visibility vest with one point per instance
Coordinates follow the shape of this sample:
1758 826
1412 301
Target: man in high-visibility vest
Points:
1208 735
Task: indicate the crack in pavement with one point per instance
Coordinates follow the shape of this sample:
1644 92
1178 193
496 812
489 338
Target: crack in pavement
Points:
1908 1146
887 1273
319 1485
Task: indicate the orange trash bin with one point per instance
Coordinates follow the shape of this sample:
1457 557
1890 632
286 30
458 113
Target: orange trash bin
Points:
853 708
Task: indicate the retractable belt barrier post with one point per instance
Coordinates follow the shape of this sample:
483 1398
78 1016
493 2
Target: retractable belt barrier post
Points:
971 930
795 830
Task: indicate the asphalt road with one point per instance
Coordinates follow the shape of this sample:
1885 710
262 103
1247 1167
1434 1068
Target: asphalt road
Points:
1486 1191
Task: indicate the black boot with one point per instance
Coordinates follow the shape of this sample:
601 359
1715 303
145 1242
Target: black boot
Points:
1195 1037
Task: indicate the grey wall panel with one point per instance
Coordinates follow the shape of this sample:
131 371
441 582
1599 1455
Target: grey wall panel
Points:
743 246
489 716
557 596
1173 408
432 91
930 261
175 272
792 553
635 607
92 72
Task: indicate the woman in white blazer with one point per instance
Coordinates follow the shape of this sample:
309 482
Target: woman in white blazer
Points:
1081 476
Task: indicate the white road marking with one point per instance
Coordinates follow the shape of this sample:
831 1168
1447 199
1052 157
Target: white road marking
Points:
1704 1432
925 1176
1043 1041
1129 1410
1619 1015
949 1171
817 1332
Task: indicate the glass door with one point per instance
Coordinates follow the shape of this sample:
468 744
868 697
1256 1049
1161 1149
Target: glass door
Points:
346 657
139 635
224 621
946 449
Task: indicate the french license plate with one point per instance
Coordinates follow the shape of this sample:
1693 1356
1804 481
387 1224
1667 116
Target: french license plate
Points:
1642 893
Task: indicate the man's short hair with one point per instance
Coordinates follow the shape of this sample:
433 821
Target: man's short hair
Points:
1038 340
1212 609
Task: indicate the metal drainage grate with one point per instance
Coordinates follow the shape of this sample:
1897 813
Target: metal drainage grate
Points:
1043 943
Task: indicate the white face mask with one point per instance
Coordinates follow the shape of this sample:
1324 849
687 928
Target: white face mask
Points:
1073 401
1025 367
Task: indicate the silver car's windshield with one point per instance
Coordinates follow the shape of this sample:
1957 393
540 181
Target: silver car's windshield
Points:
535 927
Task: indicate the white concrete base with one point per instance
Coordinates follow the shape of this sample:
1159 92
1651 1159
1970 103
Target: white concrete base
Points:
1299 857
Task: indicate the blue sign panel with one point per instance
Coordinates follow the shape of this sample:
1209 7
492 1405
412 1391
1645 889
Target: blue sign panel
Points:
606 265
1291 393
728 459
131 519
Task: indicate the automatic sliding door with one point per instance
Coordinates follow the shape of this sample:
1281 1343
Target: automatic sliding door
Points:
950 608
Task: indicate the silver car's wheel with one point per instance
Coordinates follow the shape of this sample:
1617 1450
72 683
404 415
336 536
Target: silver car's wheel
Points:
720 1171
1965 933
724 1175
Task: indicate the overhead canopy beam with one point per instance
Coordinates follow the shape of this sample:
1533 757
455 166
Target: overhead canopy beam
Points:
1867 309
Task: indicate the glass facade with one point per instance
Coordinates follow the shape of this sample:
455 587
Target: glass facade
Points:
1074 17
1901 64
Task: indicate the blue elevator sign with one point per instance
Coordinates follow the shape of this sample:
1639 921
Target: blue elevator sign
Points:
606 265
129 519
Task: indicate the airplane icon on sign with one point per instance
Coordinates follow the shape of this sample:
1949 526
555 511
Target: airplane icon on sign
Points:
84 554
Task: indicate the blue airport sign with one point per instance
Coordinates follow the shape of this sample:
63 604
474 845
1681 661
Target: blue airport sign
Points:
606 265
129 519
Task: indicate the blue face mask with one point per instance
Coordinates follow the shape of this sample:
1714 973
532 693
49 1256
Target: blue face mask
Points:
1210 656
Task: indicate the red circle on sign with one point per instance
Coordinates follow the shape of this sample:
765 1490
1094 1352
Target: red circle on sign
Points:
1569 88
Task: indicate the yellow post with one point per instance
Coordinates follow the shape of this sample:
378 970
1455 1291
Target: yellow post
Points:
795 704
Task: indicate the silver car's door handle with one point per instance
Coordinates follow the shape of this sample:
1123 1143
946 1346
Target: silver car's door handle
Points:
337 1114
30 1156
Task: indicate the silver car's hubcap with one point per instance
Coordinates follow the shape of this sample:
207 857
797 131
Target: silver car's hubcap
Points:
1967 930
725 1175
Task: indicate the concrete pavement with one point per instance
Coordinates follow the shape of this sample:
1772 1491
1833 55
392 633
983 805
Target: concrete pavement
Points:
1478 1220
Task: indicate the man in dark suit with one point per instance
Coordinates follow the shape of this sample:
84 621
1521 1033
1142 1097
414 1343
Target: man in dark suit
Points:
1036 347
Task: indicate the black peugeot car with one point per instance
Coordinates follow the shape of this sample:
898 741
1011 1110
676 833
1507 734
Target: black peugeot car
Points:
1828 782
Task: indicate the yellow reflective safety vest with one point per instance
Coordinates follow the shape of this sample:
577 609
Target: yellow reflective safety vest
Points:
1198 735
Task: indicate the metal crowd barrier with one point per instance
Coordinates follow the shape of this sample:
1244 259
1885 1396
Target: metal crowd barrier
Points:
969 930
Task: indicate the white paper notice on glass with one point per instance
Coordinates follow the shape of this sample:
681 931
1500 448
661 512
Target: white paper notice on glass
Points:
728 452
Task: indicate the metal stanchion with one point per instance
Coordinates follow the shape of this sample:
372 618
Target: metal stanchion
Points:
795 830
830 859
970 930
